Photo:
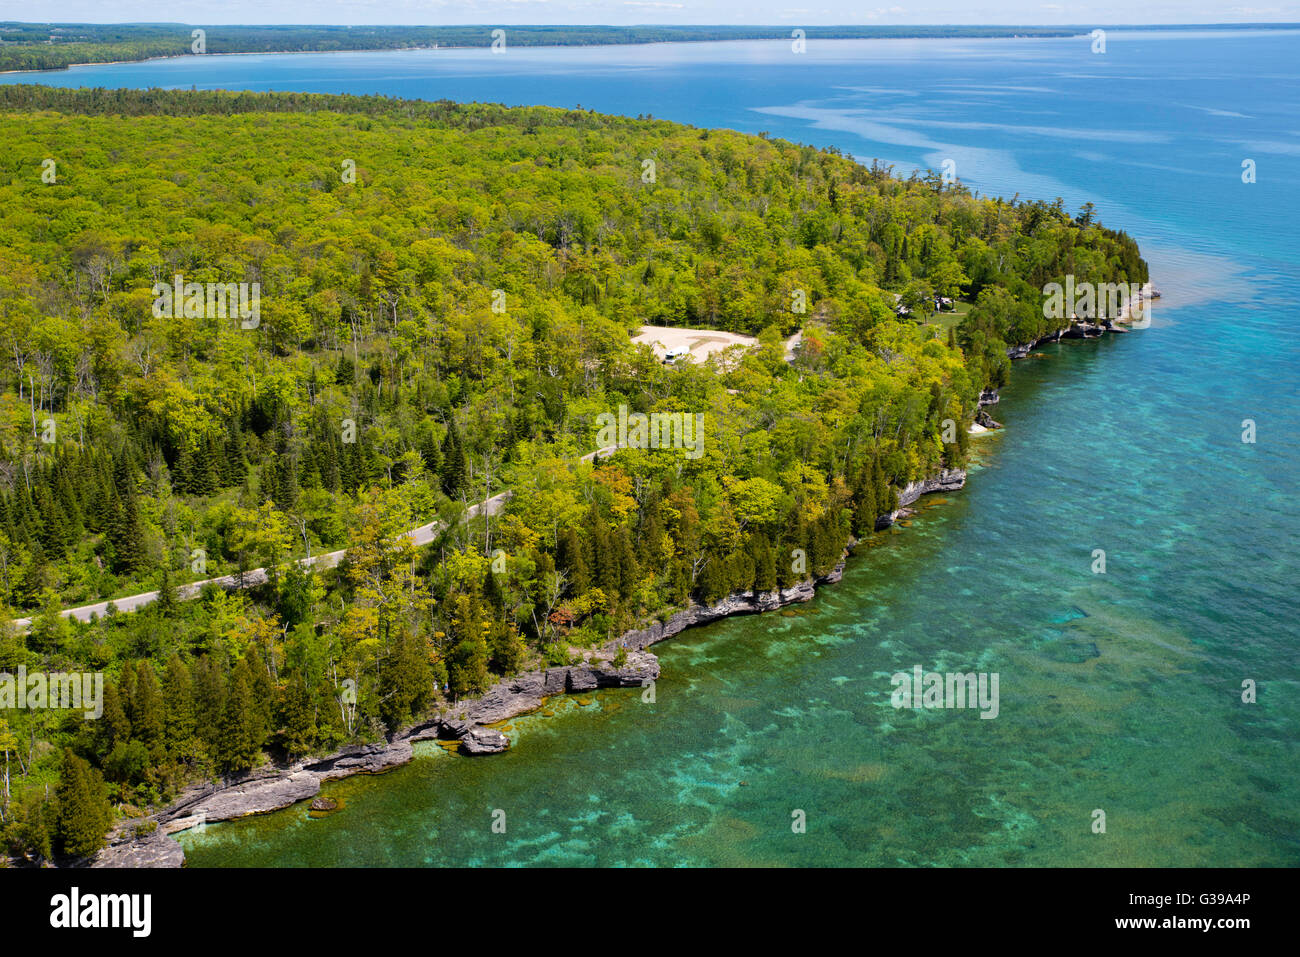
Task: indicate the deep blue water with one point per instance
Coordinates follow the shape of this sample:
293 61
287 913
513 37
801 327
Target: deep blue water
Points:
1131 444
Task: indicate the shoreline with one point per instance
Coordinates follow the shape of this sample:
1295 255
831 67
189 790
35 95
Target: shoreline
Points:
550 46
274 789
277 788
1083 329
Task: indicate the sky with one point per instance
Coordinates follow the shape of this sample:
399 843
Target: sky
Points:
793 12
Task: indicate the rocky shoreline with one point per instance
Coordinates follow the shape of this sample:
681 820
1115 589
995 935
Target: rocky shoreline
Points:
274 789
1082 329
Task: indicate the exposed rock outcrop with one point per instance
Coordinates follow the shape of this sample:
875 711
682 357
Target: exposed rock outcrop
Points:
948 480
257 797
739 603
508 698
365 759
157 850
484 741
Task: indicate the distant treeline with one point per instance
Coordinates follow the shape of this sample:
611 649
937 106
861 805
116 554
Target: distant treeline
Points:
55 46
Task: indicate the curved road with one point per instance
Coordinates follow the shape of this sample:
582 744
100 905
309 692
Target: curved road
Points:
421 535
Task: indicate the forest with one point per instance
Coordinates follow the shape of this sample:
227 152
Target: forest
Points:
447 298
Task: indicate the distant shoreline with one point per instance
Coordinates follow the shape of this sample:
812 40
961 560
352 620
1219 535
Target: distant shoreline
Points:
626 36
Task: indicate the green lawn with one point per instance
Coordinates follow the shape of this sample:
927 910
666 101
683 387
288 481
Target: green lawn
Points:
946 320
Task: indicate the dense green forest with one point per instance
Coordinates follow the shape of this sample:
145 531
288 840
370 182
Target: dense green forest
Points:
447 296
52 46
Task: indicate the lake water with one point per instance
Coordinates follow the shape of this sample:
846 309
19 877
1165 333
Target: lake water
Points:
1118 691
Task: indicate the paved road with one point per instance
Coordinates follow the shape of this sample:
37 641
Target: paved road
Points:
421 535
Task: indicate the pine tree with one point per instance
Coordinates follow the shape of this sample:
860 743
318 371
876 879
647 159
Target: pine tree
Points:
183 473
209 702
113 727
492 594
569 558
505 648
430 453
178 709
126 684
624 554
166 603
297 716
467 664
234 465
405 683
84 812
147 717
454 466
330 475
239 744
262 686
125 536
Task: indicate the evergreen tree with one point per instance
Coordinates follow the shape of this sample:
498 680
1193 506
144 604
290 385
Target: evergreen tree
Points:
113 727
178 709
209 702
183 473
492 594
624 557
263 688
147 715
166 603
569 558
764 563
430 452
297 717
467 671
239 745
125 537
405 683
84 812
506 650
454 466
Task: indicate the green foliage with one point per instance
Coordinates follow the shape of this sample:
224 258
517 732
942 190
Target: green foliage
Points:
383 391
83 809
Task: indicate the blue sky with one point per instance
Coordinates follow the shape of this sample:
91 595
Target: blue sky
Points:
793 12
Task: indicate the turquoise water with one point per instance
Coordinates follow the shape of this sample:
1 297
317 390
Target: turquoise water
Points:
1119 692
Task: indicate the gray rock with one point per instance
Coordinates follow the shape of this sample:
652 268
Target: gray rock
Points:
484 741
258 797
501 702
582 678
554 681
640 667
156 850
947 480
364 759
